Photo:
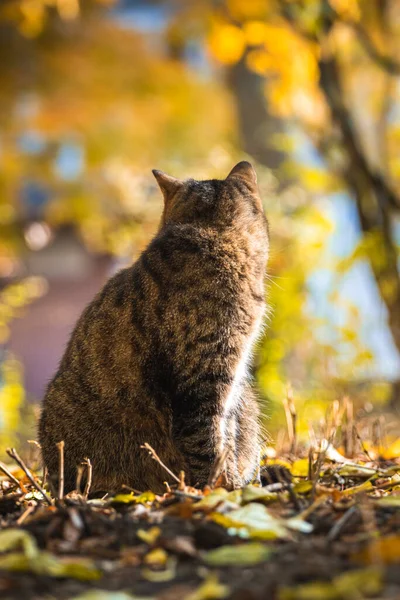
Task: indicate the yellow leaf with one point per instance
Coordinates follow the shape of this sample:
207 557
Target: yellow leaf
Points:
393 451
387 549
252 520
213 499
12 539
242 555
150 535
146 497
353 584
255 32
300 468
210 589
227 43
252 493
45 563
157 557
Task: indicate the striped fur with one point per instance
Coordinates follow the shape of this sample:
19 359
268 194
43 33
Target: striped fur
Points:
161 354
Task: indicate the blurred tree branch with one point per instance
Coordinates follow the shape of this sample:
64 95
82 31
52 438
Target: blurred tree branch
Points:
375 200
388 63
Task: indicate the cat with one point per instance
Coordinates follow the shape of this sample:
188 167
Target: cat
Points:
161 354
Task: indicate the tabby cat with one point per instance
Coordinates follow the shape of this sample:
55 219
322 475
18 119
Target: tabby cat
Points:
161 353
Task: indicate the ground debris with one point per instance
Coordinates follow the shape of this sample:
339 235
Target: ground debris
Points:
326 530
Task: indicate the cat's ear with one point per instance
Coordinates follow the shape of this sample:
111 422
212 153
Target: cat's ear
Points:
245 171
168 185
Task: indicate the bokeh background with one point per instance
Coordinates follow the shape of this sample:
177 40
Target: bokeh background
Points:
94 94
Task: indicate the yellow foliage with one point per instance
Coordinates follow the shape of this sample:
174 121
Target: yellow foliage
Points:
227 43
349 9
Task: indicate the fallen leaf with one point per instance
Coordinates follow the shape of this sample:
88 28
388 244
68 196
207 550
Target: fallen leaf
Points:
252 493
210 589
217 496
158 576
300 468
149 536
393 451
252 520
364 487
303 487
243 555
103 595
389 501
356 471
45 563
12 539
298 524
353 584
145 498
156 558
386 549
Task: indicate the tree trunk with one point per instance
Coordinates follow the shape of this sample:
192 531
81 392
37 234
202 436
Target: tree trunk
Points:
258 128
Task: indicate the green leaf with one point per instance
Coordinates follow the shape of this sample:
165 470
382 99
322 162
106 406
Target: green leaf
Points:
258 494
243 555
213 499
353 584
389 501
145 498
45 563
12 539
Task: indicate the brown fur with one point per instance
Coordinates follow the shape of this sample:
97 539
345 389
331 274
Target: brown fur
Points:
159 356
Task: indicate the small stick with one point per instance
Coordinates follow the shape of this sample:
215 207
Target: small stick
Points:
155 457
79 475
44 476
9 475
14 455
360 440
310 463
217 467
182 484
89 478
316 470
313 506
291 419
25 514
338 526
349 435
60 447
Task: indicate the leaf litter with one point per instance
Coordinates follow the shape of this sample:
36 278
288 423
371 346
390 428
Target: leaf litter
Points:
327 529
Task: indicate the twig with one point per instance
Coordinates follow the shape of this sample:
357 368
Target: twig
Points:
291 419
60 447
310 463
79 475
316 471
338 526
14 455
313 506
217 467
89 478
44 476
155 457
25 514
9 475
182 484
359 438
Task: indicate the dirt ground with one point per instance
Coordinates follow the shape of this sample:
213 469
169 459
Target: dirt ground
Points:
329 530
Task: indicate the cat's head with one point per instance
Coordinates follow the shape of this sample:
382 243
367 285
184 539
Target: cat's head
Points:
231 202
